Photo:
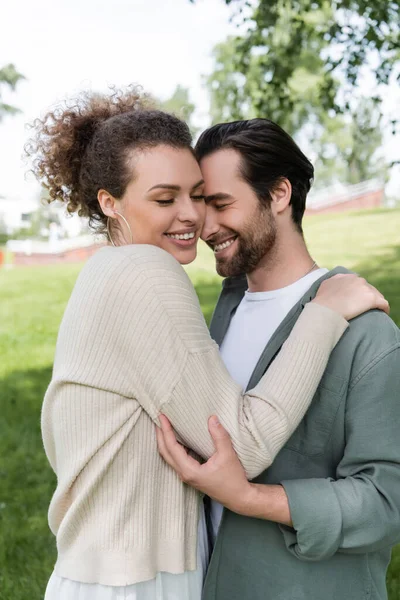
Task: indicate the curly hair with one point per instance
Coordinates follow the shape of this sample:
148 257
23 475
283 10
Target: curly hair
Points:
82 146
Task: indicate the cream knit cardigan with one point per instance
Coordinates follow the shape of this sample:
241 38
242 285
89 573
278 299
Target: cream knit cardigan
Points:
133 343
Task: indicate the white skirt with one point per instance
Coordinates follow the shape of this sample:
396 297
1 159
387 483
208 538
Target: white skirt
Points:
165 586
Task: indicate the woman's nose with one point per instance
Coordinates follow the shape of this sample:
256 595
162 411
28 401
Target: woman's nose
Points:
190 212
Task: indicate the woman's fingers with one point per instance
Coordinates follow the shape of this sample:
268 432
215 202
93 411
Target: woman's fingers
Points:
350 296
380 300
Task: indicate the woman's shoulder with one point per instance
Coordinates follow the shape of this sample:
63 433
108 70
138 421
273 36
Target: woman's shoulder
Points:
136 254
136 265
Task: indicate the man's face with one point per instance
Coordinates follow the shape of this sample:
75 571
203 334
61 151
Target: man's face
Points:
240 230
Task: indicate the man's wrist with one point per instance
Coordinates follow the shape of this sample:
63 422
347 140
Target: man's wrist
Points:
267 502
247 501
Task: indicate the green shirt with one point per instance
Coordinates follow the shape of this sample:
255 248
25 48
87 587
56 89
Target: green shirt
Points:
340 470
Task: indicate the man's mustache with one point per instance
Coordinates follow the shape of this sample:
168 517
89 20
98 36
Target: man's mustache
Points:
219 238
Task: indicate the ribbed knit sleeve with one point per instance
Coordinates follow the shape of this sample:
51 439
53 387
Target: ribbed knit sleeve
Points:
134 327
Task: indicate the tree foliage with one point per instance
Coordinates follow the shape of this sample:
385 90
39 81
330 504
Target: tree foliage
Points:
288 42
9 77
245 86
300 63
348 147
180 105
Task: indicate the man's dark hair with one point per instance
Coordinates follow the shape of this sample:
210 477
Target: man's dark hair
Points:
268 154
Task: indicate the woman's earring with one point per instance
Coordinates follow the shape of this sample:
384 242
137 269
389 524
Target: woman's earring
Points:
126 223
109 232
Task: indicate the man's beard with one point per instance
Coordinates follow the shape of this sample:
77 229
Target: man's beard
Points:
255 240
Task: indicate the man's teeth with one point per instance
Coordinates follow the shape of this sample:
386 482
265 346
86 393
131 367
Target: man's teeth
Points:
226 244
183 236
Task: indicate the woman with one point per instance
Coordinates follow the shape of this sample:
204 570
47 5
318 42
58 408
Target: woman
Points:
132 344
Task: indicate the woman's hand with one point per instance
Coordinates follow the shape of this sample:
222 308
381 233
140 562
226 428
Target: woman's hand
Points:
350 296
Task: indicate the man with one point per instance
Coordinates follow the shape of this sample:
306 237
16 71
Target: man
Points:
319 524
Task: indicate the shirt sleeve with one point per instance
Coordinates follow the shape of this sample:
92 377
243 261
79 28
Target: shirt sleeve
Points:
359 510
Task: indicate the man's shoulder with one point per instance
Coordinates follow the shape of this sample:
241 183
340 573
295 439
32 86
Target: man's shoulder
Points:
370 338
368 334
374 328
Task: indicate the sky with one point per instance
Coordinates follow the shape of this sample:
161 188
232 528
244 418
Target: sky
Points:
65 46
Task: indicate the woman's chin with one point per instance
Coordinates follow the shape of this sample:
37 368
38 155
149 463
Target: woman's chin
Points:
184 255
185 258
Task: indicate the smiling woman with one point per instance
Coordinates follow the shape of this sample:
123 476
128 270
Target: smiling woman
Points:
127 167
169 214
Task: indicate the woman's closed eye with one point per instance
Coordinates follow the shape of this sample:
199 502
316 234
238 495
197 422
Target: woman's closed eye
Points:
165 202
169 201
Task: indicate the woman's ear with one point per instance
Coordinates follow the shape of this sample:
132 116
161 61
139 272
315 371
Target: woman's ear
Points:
281 195
108 204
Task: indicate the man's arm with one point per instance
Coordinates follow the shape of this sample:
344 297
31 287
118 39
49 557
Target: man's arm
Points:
222 477
268 502
357 512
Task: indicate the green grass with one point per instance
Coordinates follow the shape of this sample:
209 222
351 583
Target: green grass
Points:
32 301
367 242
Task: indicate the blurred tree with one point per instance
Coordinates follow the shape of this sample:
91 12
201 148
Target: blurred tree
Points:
9 76
39 221
4 237
180 105
287 43
244 88
348 147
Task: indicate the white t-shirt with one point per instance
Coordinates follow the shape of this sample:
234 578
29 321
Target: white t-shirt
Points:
256 319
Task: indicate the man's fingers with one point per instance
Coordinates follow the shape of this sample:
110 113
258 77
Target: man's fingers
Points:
171 443
162 448
220 436
165 423
178 458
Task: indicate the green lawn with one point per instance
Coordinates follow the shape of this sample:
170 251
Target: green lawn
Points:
32 302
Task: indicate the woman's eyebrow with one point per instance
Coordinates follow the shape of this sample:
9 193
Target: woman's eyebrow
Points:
176 188
165 186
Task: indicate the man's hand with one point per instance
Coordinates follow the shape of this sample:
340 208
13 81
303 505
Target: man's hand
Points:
222 477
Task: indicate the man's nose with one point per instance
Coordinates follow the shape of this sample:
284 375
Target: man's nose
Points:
211 225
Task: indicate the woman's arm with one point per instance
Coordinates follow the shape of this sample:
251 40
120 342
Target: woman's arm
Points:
134 327
261 420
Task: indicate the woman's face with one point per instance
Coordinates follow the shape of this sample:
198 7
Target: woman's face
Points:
164 203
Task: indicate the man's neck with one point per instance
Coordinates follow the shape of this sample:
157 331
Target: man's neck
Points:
286 263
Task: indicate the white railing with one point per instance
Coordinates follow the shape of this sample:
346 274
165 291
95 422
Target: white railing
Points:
52 246
339 193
